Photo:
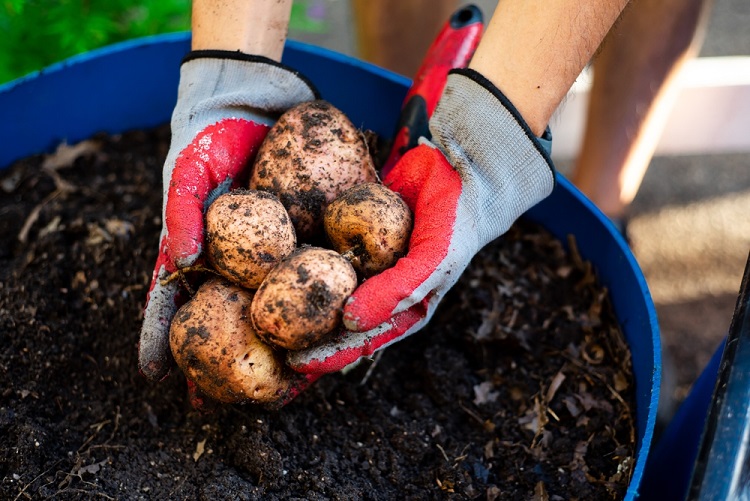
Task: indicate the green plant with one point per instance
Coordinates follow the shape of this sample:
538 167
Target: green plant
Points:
37 33
309 16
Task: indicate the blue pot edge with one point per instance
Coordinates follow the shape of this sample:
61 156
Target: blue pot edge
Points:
183 36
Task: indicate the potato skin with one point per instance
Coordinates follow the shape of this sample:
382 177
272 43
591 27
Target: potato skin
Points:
301 300
370 225
248 233
311 155
215 345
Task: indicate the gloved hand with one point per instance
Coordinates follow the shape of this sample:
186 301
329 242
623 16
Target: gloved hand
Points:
483 169
226 103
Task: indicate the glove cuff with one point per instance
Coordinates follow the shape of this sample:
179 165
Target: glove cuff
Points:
220 84
543 144
479 107
250 58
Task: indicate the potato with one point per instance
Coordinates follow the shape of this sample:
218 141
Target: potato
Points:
311 155
370 225
215 345
301 300
248 233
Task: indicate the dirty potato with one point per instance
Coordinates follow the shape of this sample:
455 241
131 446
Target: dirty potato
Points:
215 345
370 225
301 300
248 232
311 155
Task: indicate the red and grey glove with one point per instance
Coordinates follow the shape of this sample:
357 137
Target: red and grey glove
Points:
226 103
483 169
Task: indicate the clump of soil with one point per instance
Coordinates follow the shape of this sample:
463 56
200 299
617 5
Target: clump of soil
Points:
520 387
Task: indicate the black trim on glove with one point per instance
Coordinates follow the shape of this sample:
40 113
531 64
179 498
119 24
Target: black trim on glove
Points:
484 82
241 56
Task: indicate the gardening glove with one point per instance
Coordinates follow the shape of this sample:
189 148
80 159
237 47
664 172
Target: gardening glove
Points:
482 170
226 103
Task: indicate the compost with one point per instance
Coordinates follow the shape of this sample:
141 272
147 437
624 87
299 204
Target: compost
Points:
520 387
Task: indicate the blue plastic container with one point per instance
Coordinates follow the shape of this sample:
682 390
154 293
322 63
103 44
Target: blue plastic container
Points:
134 85
671 462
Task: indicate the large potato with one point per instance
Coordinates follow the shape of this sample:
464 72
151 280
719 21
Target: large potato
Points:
301 300
247 233
311 155
370 225
215 345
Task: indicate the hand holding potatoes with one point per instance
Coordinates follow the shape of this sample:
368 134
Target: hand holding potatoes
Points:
226 103
483 169
281 292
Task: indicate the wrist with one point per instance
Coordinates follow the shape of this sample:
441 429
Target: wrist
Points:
243 81
486 114
535 102
237 25
252 63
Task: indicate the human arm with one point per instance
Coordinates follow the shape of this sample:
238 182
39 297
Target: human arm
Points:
533 50
253 27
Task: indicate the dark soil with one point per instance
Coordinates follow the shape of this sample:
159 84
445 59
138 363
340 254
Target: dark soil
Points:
520 388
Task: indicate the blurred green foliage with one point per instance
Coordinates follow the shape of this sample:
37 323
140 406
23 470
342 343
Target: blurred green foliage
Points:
37 33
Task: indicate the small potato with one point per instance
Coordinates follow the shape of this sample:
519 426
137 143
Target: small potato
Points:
370 225
248 232
311 155
301 300
215 345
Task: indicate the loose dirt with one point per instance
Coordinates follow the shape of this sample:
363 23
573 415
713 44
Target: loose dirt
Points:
520 387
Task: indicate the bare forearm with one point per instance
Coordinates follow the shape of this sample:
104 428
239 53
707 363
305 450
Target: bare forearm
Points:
533 50
251 26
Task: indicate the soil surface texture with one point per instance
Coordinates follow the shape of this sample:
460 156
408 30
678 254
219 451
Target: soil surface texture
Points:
519 388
